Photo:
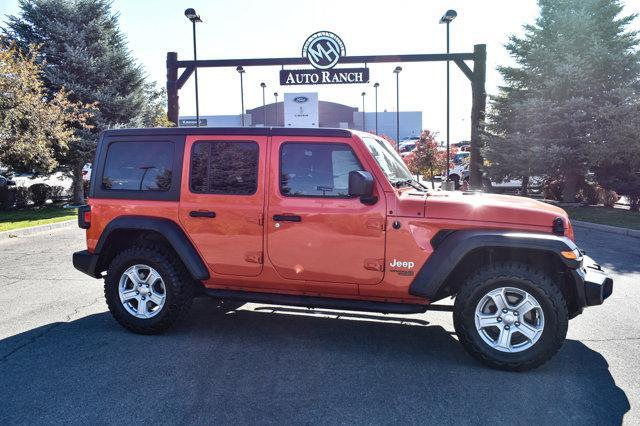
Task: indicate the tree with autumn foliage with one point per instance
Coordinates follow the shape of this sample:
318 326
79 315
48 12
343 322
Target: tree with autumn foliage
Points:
36 127
427 160
84 52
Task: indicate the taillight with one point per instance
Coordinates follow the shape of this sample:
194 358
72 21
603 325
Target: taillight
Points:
84 216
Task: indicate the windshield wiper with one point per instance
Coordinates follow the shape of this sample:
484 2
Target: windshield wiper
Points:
411 182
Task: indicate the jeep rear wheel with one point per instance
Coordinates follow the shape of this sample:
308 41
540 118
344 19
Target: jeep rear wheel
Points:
510 316
146 290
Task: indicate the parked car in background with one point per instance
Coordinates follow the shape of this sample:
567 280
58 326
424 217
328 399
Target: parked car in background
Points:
5 181
407 147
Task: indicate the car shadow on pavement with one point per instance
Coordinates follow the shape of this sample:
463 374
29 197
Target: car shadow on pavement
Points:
257 366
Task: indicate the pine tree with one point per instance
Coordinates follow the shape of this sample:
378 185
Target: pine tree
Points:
85 53
548 118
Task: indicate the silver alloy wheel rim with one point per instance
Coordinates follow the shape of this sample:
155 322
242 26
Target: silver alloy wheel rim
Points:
509 319
142 291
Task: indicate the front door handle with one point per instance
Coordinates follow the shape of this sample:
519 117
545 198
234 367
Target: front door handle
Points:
286 218
196 213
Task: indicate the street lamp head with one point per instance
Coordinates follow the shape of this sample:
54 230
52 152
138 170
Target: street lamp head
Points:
397 70
240 69
376 85
364 93
275 94
449 16
263 85
192 15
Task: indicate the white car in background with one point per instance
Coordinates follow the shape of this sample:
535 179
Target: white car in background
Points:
407 147
513 185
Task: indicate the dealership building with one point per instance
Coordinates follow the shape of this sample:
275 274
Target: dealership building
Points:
305 110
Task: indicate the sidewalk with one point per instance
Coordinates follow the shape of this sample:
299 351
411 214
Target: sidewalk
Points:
15 233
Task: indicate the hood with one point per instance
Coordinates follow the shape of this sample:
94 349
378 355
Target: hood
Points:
506 209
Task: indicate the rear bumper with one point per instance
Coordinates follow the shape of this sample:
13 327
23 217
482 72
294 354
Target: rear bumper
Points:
593 284
86 262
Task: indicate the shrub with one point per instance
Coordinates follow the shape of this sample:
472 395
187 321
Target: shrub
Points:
590 194
634 202
610 198
7 197
57 193
552 189
40 193
22 197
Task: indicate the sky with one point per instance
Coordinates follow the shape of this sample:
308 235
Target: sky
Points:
278 28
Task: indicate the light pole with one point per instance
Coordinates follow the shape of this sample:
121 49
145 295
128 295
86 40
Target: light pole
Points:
264 109
194 17
276 96
241 71
449 16
363 126
397 73
375 86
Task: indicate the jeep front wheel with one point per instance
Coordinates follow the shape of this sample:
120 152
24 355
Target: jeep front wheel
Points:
146 290
510 316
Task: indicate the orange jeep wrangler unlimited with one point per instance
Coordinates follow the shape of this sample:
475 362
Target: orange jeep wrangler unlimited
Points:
326 218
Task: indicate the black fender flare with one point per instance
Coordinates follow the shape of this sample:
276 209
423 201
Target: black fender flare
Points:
450 247
169 230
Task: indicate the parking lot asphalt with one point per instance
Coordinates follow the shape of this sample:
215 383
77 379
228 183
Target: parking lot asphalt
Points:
63 359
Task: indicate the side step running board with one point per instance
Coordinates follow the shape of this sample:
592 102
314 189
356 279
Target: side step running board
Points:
320 302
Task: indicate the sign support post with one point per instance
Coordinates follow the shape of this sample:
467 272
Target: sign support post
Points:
332 53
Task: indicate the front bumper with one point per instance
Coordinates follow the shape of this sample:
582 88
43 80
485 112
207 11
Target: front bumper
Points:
593 284
86 262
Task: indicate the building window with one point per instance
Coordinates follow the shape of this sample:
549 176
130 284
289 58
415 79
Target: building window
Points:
316 169
221 167
138 166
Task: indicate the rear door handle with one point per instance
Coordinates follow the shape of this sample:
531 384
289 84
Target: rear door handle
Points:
286 218
196 213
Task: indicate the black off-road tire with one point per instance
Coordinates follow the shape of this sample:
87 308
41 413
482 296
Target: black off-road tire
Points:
525 277
178 284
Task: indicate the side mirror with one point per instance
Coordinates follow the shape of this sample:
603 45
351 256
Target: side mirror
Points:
361 185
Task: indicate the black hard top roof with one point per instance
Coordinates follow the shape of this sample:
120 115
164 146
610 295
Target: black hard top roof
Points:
249 131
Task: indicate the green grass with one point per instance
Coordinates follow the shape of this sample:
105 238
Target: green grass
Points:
17 219
605 216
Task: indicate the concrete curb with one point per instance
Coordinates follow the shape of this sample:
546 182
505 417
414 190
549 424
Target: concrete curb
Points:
36 229
606 228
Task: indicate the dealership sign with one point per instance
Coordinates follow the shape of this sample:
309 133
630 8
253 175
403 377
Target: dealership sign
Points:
334 76
323 50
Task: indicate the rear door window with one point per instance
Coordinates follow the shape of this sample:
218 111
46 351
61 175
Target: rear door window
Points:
139 166
224 167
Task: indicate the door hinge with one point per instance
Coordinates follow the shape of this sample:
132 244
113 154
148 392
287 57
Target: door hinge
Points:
375 223
374 264
253 257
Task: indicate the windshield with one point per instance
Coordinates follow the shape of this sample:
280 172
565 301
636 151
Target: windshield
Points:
388 159
459 157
